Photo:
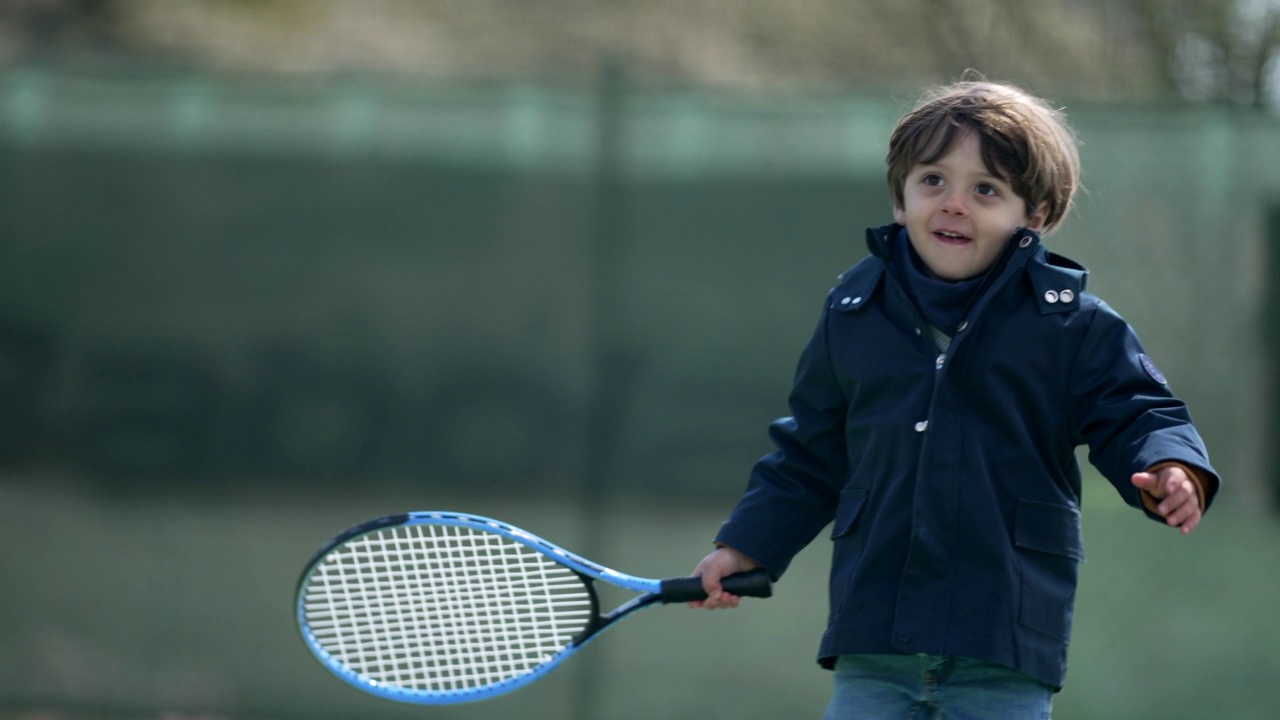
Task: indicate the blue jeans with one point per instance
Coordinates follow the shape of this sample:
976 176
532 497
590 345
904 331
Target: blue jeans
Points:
930 687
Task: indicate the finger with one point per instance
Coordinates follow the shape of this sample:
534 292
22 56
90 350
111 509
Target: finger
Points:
1188 512
1169 504
1177 515
1182 505
1191 524
1178 492
711 583
1147 481
724 601
700 571
1185 519
709 604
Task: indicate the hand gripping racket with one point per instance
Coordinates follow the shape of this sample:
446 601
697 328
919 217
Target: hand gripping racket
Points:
439 607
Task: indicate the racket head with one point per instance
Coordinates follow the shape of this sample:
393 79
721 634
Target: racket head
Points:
440 608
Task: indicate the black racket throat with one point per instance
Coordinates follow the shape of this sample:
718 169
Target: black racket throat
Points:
597 622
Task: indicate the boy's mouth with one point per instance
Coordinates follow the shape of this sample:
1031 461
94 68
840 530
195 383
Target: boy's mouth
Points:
951 237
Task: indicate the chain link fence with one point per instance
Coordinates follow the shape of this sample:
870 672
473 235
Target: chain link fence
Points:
236 317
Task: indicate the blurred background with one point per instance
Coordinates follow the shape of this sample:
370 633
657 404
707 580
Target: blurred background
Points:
269 268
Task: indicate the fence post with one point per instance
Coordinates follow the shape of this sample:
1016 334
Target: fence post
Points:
609 368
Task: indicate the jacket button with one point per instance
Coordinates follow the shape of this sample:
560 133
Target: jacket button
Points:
963 324
941 359
1050 296
922 426
1066 296
1025 241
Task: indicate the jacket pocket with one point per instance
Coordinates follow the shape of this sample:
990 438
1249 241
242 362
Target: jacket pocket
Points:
1050 551
1049 528
848 510
847 549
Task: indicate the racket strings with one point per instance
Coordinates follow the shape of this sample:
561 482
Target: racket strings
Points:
442 608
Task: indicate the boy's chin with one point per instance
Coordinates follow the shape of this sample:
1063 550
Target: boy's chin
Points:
954 264
953 274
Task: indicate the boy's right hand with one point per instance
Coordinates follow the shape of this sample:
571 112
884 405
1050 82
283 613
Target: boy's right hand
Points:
722 562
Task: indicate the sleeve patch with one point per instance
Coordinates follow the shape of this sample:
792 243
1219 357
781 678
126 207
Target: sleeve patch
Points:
1152 370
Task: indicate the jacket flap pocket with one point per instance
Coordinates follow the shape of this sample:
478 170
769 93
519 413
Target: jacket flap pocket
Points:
847 512
1049 528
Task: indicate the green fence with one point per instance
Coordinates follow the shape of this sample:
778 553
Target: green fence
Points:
238 317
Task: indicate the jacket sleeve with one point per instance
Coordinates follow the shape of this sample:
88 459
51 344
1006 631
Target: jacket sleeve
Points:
1126 413
792 492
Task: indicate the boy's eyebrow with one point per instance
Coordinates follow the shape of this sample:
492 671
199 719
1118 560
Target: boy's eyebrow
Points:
984 173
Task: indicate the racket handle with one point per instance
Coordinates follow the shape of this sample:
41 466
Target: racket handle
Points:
753 583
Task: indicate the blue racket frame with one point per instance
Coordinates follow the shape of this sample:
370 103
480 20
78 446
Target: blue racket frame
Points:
650 587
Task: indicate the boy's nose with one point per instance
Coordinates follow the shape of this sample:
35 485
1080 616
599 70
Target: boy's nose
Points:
954 203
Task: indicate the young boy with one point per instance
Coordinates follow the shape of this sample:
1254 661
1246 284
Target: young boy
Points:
934 419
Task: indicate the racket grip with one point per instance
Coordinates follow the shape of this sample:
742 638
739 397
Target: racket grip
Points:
753 583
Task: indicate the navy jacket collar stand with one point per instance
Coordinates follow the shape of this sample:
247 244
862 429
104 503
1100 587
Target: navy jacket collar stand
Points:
1057 281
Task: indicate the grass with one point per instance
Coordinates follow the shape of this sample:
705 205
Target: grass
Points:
170 609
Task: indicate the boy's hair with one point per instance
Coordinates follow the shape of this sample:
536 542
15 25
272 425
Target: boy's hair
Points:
1024 141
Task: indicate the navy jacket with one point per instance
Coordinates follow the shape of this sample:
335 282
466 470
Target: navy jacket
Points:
952 477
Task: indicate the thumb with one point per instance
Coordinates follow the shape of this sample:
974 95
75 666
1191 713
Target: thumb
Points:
1149 482
711 580
1145 480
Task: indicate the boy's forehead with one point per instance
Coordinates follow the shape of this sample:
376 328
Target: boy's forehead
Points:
944 149
939 139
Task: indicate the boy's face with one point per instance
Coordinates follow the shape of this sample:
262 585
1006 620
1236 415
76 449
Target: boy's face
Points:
959 216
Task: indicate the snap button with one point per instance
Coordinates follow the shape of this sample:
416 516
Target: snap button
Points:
846 301
1066 296
1025 241
1050 296
963 324
941 359
922 426
856 300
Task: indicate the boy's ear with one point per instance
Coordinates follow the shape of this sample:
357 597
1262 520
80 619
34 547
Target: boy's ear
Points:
1037 219
899 214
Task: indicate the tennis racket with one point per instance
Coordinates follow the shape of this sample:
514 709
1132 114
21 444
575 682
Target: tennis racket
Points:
440 607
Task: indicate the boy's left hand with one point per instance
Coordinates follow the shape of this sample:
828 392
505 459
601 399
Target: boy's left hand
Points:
1179 503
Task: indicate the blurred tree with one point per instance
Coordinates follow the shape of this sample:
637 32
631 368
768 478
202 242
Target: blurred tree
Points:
1197 50
1217 50
43 27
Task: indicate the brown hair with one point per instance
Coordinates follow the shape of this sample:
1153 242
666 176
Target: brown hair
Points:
1024 141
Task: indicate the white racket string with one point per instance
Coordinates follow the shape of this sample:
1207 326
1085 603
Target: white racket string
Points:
443 608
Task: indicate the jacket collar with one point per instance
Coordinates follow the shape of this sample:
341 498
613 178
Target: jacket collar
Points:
1057 281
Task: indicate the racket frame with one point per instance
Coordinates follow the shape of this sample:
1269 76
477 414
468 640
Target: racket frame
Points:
650 589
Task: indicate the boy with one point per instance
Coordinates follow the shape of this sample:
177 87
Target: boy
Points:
935 414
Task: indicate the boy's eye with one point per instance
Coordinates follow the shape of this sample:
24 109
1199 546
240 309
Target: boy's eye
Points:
987 189
931 179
